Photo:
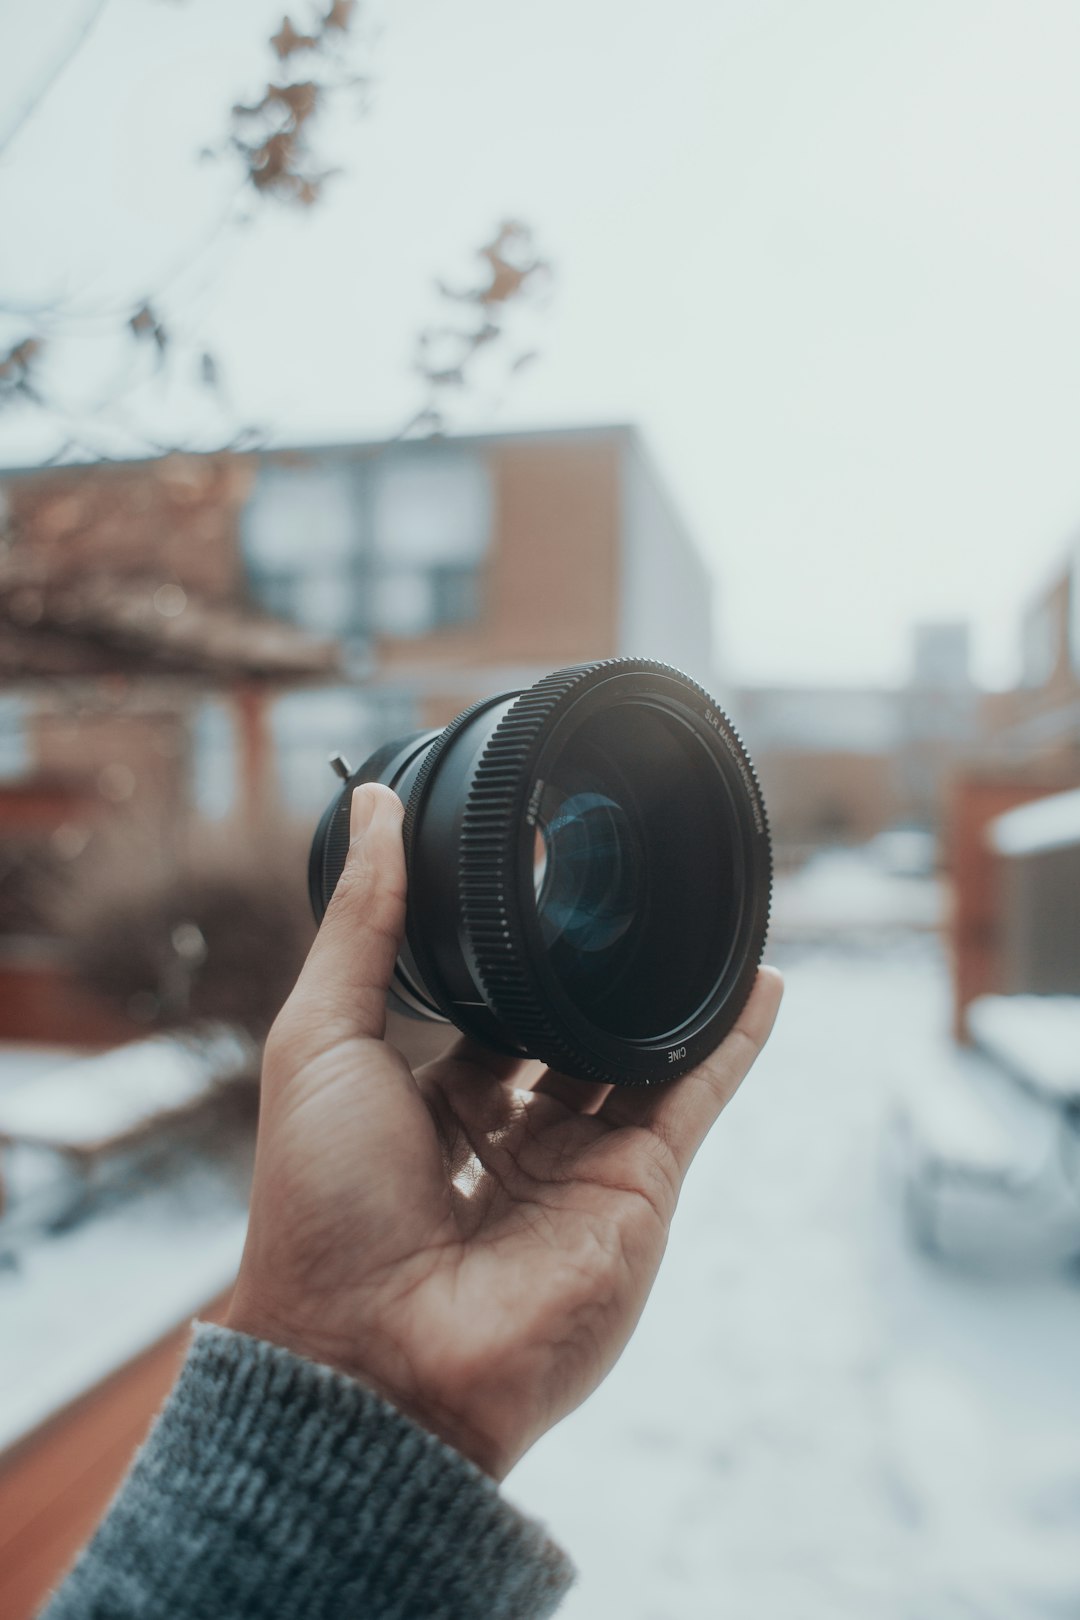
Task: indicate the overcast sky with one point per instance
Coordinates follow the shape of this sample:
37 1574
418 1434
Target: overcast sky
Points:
825 252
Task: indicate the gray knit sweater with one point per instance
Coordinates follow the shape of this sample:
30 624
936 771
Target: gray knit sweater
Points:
271 1486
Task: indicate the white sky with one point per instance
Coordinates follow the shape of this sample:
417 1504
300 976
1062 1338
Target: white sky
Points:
826 252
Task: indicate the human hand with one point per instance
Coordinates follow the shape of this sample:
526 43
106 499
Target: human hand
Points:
474 1242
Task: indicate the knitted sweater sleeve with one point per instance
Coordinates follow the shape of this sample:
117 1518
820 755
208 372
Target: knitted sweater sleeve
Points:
270 1486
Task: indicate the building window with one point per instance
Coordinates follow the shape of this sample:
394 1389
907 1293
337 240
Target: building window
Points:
215 775
432 506
1039 651
14 739
432 518
321 601
393 543
404 602
302 541
457 594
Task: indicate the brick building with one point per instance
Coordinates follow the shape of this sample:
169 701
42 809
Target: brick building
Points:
452 569
183 642
1039 721
124 619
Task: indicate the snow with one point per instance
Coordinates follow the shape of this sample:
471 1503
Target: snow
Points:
988 1171
1037 1038
77 1305
813 1421
150 1244
95 1099
1045 824
952 1118
26 1060
843 892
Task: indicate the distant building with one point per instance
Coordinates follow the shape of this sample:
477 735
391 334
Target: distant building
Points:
841 764
1039 721
941 719
1038 846
825 756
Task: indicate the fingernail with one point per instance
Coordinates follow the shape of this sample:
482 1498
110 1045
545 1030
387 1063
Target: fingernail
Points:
361 811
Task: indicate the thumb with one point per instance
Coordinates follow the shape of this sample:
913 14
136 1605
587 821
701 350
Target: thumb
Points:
342 988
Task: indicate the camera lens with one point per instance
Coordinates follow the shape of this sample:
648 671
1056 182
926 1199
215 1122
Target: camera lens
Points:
589 871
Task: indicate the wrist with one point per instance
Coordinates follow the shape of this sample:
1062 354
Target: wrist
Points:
427 1412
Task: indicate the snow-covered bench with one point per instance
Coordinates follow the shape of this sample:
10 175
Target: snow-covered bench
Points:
1036 1039
982 1163
88 1125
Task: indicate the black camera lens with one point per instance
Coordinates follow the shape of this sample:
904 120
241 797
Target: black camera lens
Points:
589 871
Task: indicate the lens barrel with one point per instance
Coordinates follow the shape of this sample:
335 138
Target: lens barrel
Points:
589 871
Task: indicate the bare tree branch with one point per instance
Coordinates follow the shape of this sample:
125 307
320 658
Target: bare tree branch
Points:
269 139
269 143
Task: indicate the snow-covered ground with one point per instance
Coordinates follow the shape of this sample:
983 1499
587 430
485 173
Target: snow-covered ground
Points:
845 893
813 1422
102 1253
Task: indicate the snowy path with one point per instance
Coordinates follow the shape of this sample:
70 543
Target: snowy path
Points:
812 1422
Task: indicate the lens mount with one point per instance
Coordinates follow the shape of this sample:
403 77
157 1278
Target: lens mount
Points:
589 871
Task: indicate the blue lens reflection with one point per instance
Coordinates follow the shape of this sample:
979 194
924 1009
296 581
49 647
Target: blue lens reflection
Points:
587 873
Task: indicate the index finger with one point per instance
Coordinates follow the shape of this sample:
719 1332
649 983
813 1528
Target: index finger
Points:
683 1112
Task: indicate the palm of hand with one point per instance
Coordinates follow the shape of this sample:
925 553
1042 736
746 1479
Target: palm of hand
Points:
479 1254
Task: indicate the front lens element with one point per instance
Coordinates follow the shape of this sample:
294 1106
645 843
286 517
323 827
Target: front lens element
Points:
642 894
589 883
